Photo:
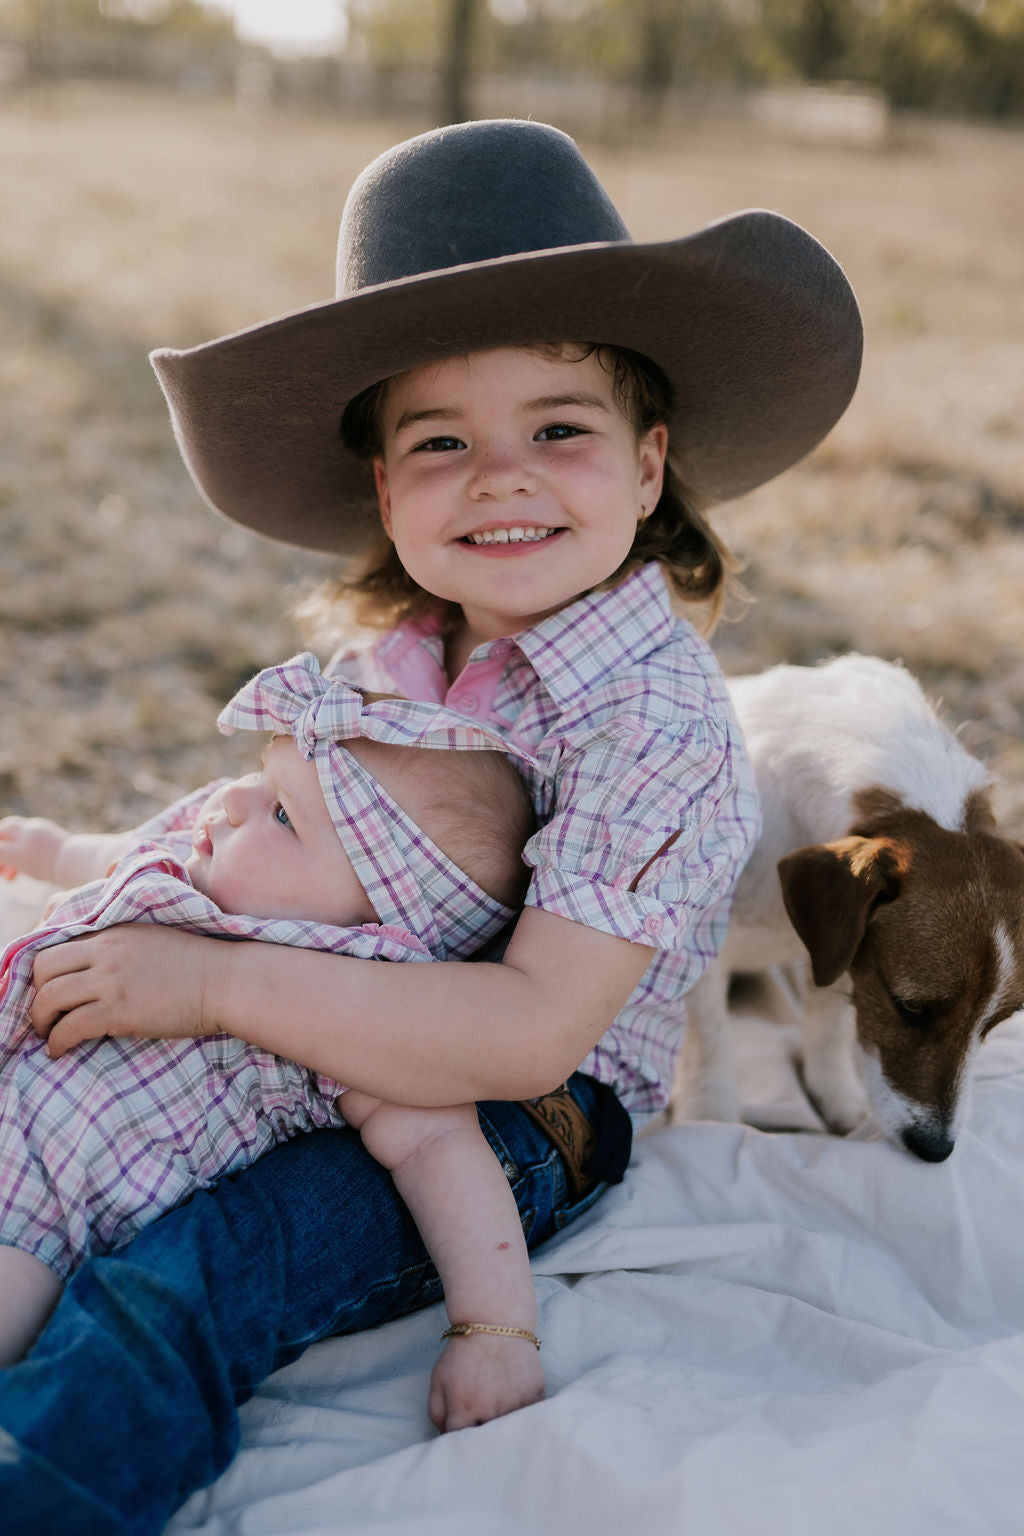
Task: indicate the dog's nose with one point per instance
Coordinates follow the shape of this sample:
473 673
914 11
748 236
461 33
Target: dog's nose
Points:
931 1146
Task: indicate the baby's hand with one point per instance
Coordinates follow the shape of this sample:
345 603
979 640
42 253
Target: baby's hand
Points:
30 845
481 1377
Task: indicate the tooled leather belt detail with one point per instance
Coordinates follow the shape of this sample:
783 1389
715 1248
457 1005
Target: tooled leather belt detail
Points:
568 1128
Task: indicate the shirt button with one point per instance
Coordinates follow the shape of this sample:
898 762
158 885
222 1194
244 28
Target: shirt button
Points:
500 649
467 702
653 924
510 1170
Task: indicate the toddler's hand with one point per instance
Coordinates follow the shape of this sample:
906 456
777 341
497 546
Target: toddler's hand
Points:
481 1377
143 980
30 845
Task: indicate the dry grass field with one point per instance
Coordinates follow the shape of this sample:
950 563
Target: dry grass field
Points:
128 612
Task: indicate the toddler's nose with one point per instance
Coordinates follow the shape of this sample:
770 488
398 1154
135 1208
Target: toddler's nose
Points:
502 472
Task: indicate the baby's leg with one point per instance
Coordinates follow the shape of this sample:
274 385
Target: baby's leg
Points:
29 1291
459 1196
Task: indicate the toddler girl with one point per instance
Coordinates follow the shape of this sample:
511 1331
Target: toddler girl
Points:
497 386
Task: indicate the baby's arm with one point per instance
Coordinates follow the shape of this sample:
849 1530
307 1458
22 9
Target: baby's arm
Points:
459 1197
31 845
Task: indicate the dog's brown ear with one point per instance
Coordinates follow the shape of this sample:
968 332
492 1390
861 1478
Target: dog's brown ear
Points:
830 890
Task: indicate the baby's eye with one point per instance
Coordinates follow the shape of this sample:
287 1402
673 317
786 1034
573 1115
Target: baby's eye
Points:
439 445
281 816
559 432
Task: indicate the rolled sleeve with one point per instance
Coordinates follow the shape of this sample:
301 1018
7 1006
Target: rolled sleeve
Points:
651 830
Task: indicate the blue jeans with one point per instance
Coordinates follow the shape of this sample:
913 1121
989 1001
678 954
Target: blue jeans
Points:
129 1400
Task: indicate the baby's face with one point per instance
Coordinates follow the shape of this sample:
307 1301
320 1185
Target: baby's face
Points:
265 846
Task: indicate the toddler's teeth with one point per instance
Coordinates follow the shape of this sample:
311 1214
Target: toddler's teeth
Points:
509 536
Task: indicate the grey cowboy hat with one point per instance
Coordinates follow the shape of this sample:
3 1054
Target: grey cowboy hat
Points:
497 234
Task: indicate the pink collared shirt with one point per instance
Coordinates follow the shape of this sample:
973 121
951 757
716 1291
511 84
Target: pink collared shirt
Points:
645 797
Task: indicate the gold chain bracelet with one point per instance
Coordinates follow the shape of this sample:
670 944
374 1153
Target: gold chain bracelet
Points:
463 1330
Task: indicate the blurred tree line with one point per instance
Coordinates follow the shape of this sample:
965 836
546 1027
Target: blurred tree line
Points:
189 19
939 55
962 56
42 24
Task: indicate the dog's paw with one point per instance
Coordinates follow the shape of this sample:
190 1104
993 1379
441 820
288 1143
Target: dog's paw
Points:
835 1093
707 1101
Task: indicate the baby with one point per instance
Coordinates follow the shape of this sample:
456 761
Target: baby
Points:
354 837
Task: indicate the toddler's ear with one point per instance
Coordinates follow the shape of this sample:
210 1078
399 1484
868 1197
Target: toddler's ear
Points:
380 480
653 450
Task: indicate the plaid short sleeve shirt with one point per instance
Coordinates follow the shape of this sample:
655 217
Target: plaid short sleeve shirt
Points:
645 799
97 1144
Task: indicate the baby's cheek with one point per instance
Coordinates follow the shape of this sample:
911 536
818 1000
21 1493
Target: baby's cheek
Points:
242 886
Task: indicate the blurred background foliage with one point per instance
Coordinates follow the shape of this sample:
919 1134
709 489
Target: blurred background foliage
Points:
952 56
947 55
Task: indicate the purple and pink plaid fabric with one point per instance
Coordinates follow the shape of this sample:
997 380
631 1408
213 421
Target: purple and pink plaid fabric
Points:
642 788
96 1145
411 883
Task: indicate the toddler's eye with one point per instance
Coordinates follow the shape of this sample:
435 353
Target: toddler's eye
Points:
281 816
559 432
439 445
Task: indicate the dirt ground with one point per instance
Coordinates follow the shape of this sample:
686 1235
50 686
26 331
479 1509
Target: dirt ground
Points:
129 612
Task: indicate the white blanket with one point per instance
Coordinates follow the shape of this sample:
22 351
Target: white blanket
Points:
755 1334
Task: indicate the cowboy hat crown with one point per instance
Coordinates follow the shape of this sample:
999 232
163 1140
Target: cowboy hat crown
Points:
473 193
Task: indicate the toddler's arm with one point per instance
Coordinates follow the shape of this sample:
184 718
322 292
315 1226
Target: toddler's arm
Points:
415 1034
459 1197
31 845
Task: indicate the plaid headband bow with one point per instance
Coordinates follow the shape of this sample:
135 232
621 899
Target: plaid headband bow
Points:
411 883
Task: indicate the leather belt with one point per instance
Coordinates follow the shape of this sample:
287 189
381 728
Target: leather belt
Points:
568 1128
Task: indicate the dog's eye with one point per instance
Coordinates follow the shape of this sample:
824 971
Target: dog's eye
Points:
911 1011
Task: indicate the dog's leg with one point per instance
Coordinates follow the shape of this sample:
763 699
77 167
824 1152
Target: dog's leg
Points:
705 1084
831 1079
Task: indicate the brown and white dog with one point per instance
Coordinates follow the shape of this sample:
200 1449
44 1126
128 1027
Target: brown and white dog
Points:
881 857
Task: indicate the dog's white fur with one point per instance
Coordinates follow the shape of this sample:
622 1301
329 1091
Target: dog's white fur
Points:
819 737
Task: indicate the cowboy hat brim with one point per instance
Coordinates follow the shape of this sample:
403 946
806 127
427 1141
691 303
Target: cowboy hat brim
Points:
751 319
